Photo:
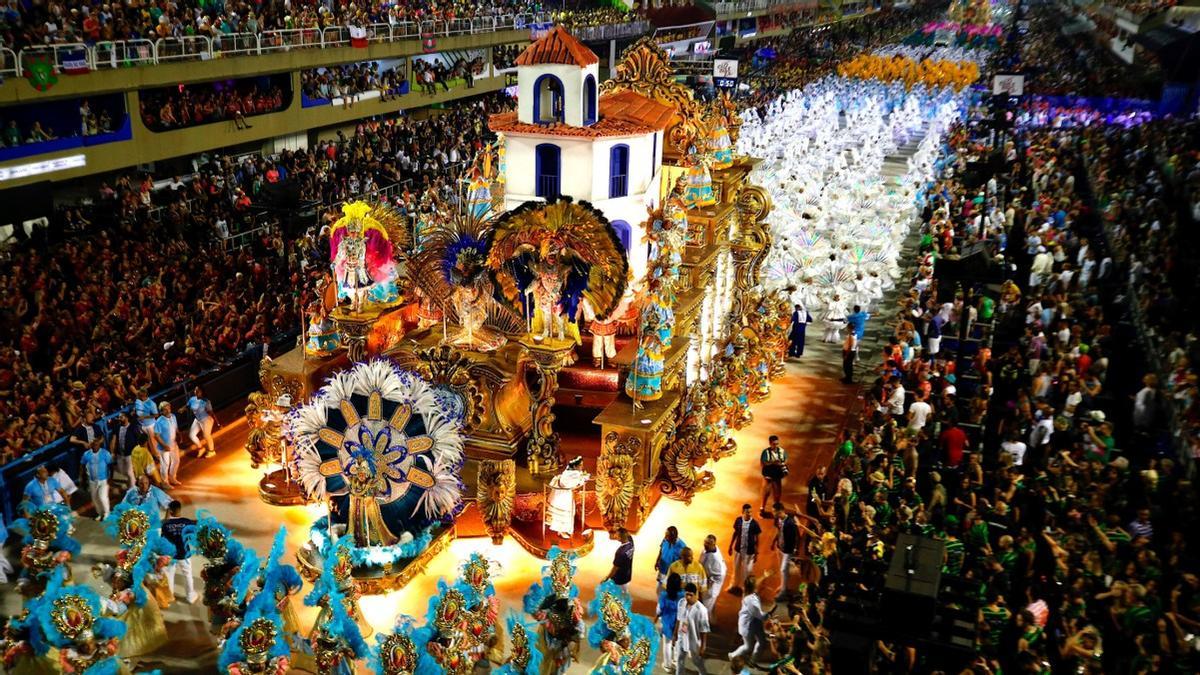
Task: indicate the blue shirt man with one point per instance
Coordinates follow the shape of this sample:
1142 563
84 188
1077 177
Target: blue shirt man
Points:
858 321
668 552
166 429
44 489
145 410
98 463
145 493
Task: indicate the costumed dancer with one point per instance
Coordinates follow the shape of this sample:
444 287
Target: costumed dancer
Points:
225 554
46 548
399 652
258 645
361 253
323 338
337 643
337 576
627 641
23 646
337 635
699 178
454 635
554 603
667 232
835 318
71 619
277 583
524 657
139 589
483 605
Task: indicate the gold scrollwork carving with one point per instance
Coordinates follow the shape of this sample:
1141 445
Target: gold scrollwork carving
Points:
615 470
496 488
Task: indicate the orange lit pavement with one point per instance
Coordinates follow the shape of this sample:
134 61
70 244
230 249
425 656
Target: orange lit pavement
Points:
806 409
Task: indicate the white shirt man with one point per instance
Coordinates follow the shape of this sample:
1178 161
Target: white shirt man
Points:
1016 449
691 631
895 401
918 414
714 571
751 621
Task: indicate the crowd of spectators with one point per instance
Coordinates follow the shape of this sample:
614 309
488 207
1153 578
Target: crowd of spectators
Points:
429 74
90 124
350 80
118 301
505 56
1142 8
140 304
1058 64
23 24
1029 449
191 105
1147 182
808 54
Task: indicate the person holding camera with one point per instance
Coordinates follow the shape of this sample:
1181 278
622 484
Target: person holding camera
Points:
774 470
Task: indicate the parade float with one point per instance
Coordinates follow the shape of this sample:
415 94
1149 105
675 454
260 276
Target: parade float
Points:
602 263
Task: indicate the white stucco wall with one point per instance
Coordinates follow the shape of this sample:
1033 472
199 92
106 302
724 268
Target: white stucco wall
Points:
585 176
572 78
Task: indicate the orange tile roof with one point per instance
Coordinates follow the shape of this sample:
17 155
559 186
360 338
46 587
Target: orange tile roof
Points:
606 126
623 113
557 46
631 106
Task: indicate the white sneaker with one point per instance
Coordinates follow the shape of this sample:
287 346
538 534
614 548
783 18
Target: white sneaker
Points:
193 598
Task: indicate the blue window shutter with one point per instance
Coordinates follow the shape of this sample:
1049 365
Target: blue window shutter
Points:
618 171
548 168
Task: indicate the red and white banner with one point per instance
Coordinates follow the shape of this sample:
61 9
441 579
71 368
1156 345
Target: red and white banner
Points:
358 37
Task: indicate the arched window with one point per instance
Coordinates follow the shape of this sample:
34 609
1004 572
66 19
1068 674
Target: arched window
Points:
548 159
624 233
589 100
547 100
618 171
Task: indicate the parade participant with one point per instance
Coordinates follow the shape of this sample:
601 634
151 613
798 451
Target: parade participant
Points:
145 493
97 463
202 423
166 440
743 546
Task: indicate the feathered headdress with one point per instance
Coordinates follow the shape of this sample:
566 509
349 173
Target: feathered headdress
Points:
209 538
52 523
276 575
259 638
577 234
611 607
558 581
526 658
398 652
69 614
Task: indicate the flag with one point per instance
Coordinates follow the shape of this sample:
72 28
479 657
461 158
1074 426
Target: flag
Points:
428 42
358 37
76 62
39 70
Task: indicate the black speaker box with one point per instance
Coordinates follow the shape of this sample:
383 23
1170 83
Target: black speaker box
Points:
910 589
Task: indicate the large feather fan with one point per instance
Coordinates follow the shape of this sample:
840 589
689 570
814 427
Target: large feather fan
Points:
454 253
392 417
577 233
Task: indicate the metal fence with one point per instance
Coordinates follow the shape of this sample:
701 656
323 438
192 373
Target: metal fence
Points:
614 31
122 53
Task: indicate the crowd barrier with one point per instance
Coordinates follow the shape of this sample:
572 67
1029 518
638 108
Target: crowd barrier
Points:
83 57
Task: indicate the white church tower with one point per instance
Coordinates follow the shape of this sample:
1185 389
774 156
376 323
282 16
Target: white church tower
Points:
565 139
